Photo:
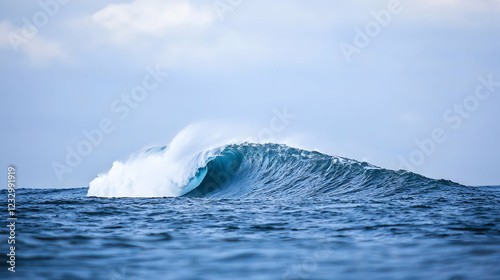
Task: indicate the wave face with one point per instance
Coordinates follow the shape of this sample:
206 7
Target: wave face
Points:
255 171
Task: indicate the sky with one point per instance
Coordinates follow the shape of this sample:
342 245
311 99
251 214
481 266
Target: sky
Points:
399 84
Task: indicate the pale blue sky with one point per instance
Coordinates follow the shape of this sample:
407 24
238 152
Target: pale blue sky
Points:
258 57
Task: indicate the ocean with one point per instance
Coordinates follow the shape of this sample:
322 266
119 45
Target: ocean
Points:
255 211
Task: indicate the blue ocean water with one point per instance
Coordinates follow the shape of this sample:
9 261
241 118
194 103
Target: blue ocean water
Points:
260 211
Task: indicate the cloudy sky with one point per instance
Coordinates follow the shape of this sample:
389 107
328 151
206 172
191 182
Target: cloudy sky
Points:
400 84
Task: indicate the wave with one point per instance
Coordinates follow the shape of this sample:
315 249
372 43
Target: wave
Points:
254 170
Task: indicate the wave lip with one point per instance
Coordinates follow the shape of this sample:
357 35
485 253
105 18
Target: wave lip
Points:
254 171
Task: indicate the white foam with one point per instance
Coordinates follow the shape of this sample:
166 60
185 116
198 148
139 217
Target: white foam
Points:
164 173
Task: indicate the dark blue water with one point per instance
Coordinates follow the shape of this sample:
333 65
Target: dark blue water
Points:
324 218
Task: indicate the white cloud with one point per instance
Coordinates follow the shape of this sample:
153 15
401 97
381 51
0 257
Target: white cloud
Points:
178 32
152 17
38 50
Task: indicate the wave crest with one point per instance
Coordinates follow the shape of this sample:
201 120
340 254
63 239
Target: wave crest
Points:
253 170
